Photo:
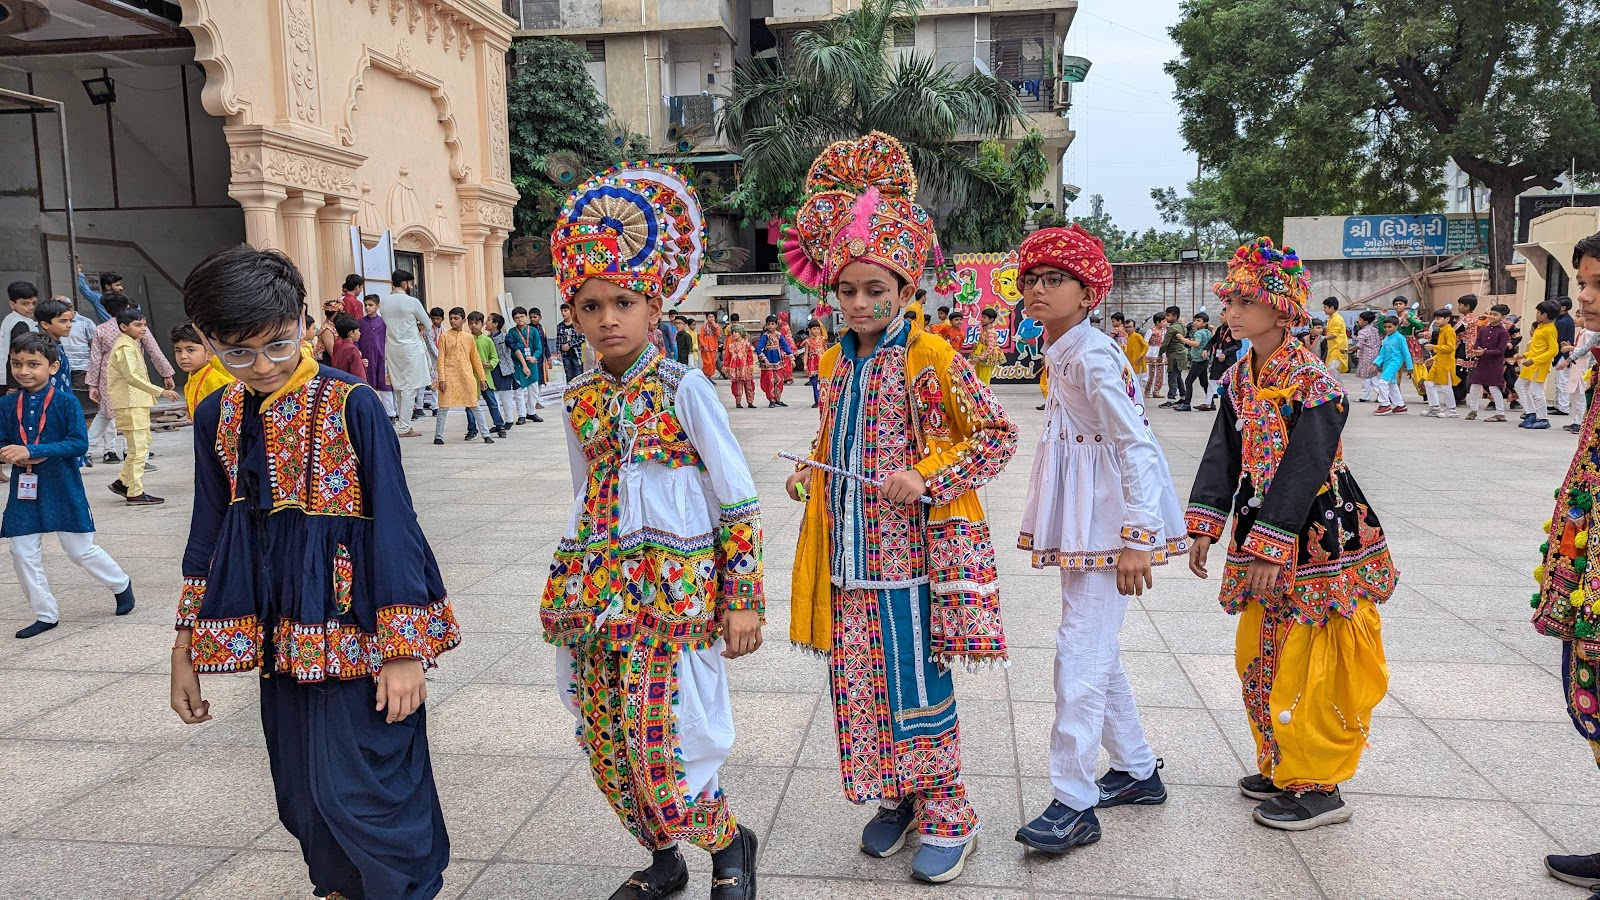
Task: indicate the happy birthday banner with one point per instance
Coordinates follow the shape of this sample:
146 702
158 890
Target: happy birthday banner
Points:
989 281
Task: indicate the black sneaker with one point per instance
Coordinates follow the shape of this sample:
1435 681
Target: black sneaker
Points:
733 868
1557 412
521 420
1183 407
535 419
1572 428
1118 788
1167 405
1060 828
487 439
471 436
1303 810
143 500
783 404
667 875
111 457
438 440
1258 787
118 488
1583 871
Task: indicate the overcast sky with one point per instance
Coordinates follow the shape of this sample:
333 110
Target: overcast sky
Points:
1126 122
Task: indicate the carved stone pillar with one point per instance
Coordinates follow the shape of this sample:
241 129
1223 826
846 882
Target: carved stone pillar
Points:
333 239
473 235
260 203
494 262
300 242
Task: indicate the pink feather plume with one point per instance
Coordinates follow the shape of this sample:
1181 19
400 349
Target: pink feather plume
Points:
861 215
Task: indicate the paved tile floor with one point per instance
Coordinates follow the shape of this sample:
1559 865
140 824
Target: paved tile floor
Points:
1474 771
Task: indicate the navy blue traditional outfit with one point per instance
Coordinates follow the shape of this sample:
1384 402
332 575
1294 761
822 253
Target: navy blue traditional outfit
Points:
305 560
49 422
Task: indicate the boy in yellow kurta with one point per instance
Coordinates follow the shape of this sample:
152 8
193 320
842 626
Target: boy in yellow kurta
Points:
132 395
462 378
204 373
1543 348
1308 562
894 578
1338 346
1439 376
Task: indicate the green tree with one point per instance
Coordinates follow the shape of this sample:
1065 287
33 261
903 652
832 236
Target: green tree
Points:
993 220
1203 215
1150 245
553 108
1328 107
841 81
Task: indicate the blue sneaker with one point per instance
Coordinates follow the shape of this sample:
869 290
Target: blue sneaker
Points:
937 865
1539 424
1118 788
1060 828
886 833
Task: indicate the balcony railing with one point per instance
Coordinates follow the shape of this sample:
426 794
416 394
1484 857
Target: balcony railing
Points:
697 112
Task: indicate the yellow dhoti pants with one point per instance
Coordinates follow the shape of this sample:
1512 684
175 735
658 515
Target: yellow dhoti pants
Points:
1309 692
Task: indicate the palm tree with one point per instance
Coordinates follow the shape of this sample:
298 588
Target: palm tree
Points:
841 81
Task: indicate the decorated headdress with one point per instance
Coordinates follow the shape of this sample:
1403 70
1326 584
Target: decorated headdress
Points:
638 225
858 206
1261 273
1073 250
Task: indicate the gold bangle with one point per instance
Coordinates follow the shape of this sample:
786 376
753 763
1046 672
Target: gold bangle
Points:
184 647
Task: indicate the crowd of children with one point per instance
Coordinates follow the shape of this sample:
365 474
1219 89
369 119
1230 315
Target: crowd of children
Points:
292 569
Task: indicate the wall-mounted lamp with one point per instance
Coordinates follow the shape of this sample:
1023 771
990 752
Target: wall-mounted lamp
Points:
101 90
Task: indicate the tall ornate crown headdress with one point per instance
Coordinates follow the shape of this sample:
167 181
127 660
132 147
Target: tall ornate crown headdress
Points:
638 225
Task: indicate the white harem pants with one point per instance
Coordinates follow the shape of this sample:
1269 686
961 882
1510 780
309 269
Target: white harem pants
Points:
1094 701
27 557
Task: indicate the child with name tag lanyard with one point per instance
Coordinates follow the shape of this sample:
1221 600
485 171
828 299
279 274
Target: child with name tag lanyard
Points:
42 436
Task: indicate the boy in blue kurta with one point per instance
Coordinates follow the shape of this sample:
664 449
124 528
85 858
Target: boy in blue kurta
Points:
305 561
42 437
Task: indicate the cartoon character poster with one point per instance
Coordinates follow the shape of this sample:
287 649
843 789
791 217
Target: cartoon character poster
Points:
989 281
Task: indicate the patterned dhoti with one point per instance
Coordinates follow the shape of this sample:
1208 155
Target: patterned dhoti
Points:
657 726
895 712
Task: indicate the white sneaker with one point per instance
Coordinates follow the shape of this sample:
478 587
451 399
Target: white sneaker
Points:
1452 414
1431 414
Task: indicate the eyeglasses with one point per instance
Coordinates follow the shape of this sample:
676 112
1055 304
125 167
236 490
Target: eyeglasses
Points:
277 351
1052 280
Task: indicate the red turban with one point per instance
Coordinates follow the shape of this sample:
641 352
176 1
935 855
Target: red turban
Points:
1072 249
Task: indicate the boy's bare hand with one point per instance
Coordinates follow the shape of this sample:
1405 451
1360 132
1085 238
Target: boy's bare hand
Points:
741 631
1133 572
401 688
1262 577
906 486
1197 556
13 454
169 395
792 487
186 700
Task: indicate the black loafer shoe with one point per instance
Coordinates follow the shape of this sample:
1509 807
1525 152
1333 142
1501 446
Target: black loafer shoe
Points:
665 877
733 868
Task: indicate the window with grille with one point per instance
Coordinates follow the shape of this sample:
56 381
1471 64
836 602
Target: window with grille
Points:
536 13
1022 52
905 36
596 48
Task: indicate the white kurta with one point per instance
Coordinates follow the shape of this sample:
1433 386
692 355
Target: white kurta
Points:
1100 482
407 358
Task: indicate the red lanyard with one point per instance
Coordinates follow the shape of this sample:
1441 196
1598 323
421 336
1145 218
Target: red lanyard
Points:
44 412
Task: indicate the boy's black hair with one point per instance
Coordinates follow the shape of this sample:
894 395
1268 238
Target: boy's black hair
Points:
945 310
371 298
344 323
474 316
1332 302
908 315
1589 246
1501 308
1565 303
991 314
311 322
353 281
186 333
458 311
132 314
436 313
1402 298
1316 322
47 309
401 277
107 279
1391 320
498 320
534 311
1549 308
20 290
921 292
565 306
36 342
772 320
1174 311
927 319
733 317
1442 313
523 310
1367 315
114 302
1203 317
813 324
242 293
1118 316
1469 302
